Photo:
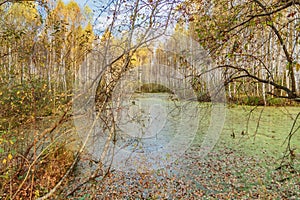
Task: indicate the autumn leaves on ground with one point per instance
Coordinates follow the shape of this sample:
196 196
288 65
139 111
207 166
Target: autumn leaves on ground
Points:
47 46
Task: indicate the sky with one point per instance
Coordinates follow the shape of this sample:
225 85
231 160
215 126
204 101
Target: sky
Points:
101 19
82 2
91 4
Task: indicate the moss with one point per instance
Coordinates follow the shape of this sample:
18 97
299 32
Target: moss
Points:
277 101
154 88
253 101
259 101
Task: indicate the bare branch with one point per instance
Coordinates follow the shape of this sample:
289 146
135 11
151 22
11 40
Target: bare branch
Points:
290 93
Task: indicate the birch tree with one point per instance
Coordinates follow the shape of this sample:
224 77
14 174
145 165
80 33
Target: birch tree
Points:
255 42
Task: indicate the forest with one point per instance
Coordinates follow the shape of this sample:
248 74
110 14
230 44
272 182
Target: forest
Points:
150 99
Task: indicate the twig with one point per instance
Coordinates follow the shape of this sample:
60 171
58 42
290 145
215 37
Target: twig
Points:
288 150
32 164
258 121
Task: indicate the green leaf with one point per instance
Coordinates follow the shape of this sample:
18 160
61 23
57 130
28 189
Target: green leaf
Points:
269 23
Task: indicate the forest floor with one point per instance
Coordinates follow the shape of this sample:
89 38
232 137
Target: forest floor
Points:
243 166
220 175
240 167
